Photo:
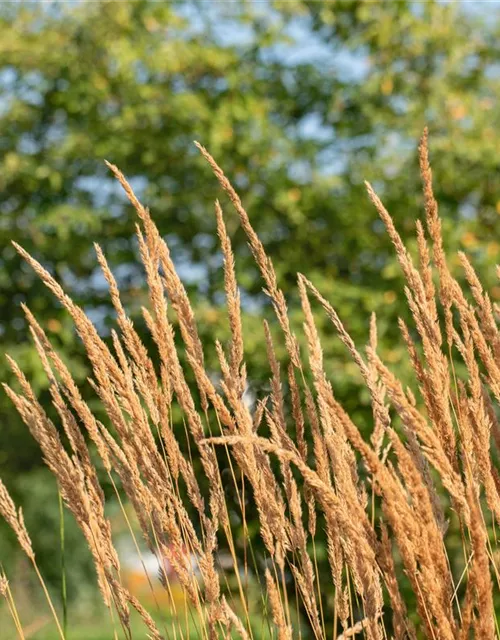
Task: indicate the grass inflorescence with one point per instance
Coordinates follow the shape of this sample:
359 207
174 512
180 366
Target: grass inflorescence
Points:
295 458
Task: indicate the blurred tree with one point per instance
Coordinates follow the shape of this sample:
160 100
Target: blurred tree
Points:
299 101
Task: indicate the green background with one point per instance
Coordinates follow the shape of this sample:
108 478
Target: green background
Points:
299 102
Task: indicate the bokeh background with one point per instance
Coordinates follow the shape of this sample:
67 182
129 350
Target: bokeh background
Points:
299 102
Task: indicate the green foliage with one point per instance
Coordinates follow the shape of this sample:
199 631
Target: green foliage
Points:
299 101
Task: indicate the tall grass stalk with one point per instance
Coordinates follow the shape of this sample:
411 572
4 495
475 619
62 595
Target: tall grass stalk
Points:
64 594
382 504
